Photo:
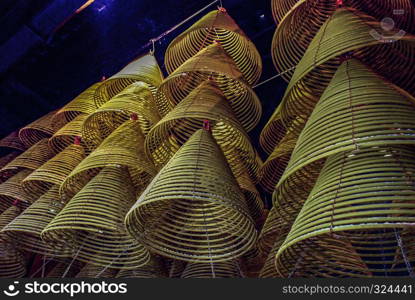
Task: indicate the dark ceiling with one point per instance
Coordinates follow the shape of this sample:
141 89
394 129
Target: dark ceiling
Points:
49 54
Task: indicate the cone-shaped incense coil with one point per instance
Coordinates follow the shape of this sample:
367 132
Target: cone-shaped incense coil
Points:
145 69
124 147
206 102
5 218
135 100
347 31
359 208
153 269
94 271
12 141
212 63
66 135
11 191
175 267
37 130
32 158
357 110
25 229
54 171
193 210
226 269
93 219
4 160
217 26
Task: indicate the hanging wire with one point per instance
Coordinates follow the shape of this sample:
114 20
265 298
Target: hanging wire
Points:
273 77
405 258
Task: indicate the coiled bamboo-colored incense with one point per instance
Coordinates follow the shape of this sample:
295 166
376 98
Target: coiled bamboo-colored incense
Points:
4 160
193 210
175 267
205 103
54 171
11 191
217 26
225 269
93 221
135 100
67 134
26 228
94 271
145 69
37 130
360 207
358 109
153 269
124 147
212 62
12 141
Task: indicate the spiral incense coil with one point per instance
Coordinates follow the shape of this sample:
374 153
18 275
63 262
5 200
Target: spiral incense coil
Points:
65 270
82 104
358 109
216 26
67 134
346 31
145 69
346 231
215 64
25 229
11 191
175 267
136 99
193 210
93 222
280 8
153 269
225 269
268 269
124 147
32 158
274 166
12 141
251 263
37 130
54 171
94 271
5 218
206 102
4 160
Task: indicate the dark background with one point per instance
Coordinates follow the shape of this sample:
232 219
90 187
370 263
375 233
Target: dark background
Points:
49 54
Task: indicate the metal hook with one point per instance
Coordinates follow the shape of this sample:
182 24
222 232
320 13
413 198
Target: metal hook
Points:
154 47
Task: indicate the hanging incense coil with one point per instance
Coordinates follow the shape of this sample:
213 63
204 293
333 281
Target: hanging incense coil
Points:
4 160
175 267
54 171
274 166
280 8
94 271
153 269
346 31
11 191
345 231
124 147
216 26
12 141
358 109
226 269
145 69
25 229
67 134
93 222
251 263
135 100
215 64
82 104
193 210
206 102
37 130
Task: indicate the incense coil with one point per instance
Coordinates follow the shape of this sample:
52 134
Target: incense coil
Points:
124 147
175 267
94 271
193 210
135 100
54 171
67 134
26 228
92 221
274 166
206 102
342 223
81 104
4 160
11 191
153 269
60 270
216 26
32 158
213 63
346 31
251 263
5 218
37 130
358 109
280 8
12 141
145 69
226 269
